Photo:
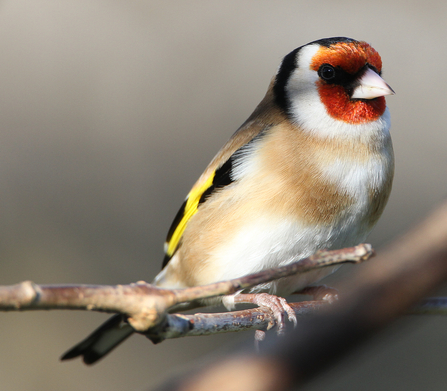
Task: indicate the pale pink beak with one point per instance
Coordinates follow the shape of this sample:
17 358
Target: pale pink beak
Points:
371 86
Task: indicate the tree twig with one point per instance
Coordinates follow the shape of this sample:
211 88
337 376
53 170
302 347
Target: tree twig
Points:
260 318
146 305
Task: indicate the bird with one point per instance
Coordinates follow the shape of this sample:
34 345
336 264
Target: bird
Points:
311 168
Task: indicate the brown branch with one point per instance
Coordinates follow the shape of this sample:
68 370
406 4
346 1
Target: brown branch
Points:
146 305
260 318
380 292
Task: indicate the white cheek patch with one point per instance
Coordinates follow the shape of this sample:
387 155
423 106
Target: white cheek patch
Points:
307 53
311 116
301 88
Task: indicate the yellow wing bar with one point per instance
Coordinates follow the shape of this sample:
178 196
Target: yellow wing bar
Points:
192 203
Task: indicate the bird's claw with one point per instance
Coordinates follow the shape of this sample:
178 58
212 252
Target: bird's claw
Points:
278 306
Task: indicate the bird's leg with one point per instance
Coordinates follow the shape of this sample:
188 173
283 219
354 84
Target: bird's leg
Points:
320 292
277 305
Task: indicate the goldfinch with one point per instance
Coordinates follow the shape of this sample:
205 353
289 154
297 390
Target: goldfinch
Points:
311 168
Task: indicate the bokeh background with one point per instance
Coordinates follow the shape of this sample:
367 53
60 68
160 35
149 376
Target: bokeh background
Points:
109 111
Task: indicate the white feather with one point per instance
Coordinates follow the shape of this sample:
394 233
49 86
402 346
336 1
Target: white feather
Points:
356 178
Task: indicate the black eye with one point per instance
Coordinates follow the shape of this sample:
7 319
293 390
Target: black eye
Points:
327 72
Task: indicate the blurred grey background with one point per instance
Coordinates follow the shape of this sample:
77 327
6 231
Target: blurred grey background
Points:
109 111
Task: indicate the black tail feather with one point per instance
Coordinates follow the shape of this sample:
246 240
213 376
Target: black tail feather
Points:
104 339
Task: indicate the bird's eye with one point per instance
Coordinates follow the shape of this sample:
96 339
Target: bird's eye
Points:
327 72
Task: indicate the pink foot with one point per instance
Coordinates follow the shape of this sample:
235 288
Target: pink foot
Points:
277 305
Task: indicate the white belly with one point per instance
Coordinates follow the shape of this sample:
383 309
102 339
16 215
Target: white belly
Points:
265 243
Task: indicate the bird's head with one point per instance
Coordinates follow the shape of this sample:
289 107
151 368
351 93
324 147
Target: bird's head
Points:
333 82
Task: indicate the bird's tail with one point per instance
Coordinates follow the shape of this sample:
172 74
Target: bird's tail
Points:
114 331
104 339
